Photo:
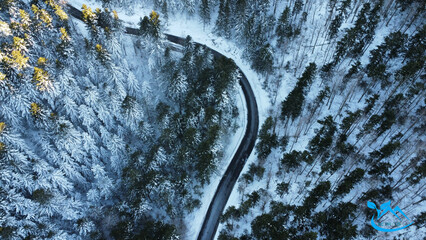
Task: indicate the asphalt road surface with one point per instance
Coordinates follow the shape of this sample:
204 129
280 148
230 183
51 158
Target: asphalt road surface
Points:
226 184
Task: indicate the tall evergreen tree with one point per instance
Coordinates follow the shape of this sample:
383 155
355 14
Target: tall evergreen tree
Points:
223 27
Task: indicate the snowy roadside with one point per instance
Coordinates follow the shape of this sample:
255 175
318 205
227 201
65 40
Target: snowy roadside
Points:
182 26
194 221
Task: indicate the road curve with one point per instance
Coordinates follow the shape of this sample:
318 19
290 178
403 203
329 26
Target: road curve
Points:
226 184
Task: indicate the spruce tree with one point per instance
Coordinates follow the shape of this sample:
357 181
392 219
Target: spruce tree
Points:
205 11
223 27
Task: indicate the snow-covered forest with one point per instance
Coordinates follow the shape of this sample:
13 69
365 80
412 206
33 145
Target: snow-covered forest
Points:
106 135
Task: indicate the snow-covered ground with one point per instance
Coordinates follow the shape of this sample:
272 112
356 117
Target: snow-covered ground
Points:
182 26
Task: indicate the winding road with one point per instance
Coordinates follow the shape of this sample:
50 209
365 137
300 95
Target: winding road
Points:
226 184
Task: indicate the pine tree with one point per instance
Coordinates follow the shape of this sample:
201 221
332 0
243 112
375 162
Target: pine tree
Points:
291 107
263 60
267 139
223 21
335 25
346 185
284 29
205 11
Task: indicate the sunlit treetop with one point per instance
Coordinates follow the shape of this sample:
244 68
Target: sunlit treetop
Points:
98 48
58 10
35 9
45 17
41 61
154 18
25 19
88 14
115 14
2 76
35 109
18 60
64 35
19 44
50 3
42 14
60 13
41 77
2 127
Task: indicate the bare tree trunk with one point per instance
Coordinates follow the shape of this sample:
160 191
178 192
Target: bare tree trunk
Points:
356 11
393 14
412 20
401 161
275 6
298 131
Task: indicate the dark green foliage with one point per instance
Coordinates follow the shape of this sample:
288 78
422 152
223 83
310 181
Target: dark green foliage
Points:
307 236
335 25
316 195
322 141
349 120
378 195
393 46
267 139
155 230
282 188
128 102
205 11
225 236
254 170
294 159
162 110
192 204
231 213
343 147
266 227
41 196
298 5
284 28
415 56
382 123
7 232
337 222
331 166
206 164
251 201
224 72
417 45
236 213
420 221
386 151
355 68
357 37
370 103
291 107
150 26
283 142
380 170
144 25
240 7
223 27
263 60
348 182
281 212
